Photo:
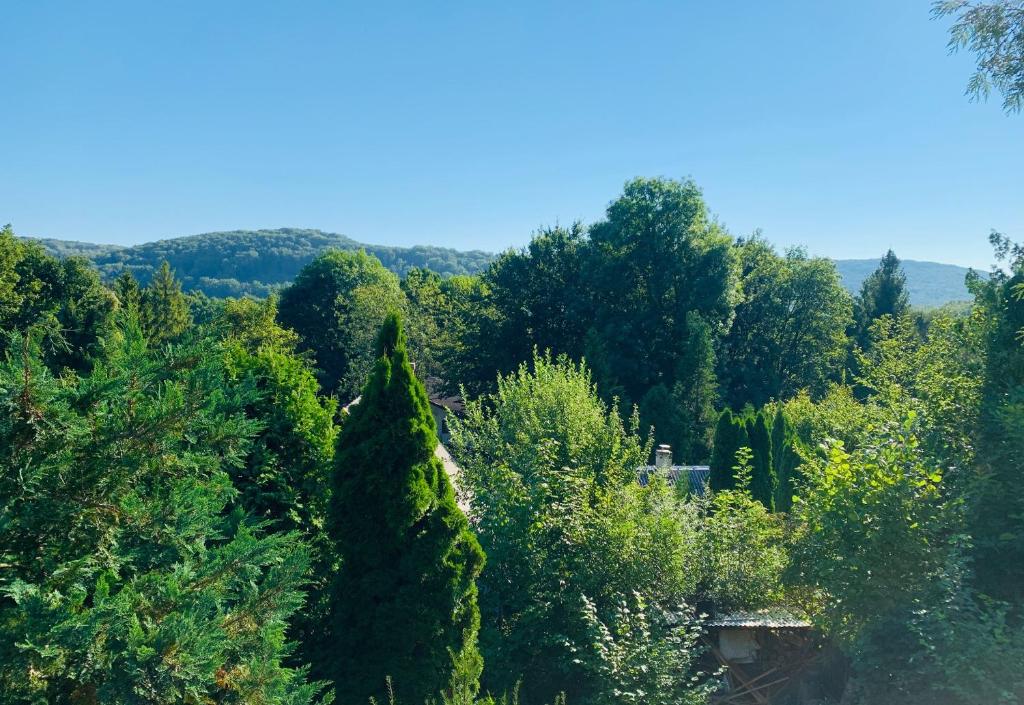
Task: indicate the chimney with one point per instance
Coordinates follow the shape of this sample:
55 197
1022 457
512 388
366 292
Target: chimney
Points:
663 457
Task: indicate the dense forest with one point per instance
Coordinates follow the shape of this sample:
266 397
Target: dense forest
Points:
192 509
258 263
254 262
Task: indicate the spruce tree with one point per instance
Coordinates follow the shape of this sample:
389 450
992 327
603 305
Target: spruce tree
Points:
404 604
883 293
730 436
762 478
164 311
128 291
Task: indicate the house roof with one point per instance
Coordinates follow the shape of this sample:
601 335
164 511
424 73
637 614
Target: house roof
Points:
455 404
773 618
696 475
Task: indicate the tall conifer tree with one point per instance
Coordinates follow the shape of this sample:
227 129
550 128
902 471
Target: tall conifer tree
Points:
785 461
404 603
730 436
164 311
883 293
762 478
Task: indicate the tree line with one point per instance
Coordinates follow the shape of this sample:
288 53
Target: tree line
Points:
193 509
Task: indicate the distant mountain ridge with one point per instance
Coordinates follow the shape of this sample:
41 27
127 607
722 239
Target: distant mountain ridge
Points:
929 284
257 262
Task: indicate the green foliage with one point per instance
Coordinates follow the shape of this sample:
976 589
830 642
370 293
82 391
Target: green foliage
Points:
129 293
873 529
730 436
404 602
997 504
883 293
163 309
763 479
639 654
743 549
994 33
789 332
124 577
552 475
284 479
63 300
257 262
336 306
785 460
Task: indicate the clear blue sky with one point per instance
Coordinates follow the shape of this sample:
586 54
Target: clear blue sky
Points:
841 126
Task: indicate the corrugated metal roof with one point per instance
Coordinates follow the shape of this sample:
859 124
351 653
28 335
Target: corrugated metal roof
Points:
775 618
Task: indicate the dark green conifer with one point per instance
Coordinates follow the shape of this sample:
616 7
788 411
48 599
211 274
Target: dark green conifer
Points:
730 436
404 603
164 310
785 460
129 293
762 477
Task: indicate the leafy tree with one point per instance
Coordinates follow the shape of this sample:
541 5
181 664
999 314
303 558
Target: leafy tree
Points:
656 258
883 293
997 516
789 332
730 436
640 653
743 548
994 32
763 482
164 310
552 472
404 603
63 300
336 306
124 577
879 539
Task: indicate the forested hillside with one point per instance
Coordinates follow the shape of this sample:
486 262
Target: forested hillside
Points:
255 262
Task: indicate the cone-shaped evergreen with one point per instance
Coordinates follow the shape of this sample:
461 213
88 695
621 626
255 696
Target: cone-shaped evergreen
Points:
785 461
730 436
762 477
404 602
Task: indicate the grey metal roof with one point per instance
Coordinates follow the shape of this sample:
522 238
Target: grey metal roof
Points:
696 475
774 618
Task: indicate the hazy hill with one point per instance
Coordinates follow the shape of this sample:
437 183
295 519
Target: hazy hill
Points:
929 283
258 261
255 262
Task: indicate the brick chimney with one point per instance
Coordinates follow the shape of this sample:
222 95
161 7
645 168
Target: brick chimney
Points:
663 457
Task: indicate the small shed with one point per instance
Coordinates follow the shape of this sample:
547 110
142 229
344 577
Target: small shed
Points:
763 653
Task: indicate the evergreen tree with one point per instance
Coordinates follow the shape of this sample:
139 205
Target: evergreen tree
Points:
762 478
128 291
124 579
730 436
404 604
785 461
164 310
883 293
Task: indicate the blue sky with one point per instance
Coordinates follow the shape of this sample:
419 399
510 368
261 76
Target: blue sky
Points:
841 126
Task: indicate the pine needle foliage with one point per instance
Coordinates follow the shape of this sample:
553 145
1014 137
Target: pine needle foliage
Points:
404 604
